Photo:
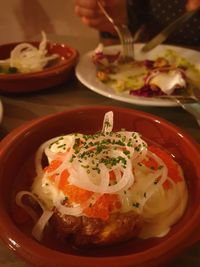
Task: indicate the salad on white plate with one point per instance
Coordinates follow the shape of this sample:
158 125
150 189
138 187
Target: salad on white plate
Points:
167 73
86 72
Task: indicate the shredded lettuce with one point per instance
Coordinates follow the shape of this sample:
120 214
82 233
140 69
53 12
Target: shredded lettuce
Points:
129 77
145 77
191 71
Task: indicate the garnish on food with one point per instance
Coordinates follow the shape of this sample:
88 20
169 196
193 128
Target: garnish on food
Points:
104 188
26 58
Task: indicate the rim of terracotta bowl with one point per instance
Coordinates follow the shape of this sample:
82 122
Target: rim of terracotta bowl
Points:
16 240
61 66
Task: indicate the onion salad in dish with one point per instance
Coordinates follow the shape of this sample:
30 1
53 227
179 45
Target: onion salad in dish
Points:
167 74
27 58
104 188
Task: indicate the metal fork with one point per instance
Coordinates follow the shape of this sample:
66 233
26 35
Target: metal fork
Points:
192 95
190 102
178 98
123 32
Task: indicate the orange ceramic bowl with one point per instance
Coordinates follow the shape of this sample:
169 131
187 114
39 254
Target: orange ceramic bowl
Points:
51 76
17 152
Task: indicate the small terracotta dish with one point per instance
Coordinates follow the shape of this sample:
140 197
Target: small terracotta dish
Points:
55 74
17 152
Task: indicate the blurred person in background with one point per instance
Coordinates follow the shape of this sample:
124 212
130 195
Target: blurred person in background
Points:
22 20
149 15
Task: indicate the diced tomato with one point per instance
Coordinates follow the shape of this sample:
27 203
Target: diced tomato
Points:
100 209
150 163
103 206
63 179
76 194
173 167
112 176
167 185
53 166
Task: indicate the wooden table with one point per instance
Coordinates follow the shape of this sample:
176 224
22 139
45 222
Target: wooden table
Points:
21 108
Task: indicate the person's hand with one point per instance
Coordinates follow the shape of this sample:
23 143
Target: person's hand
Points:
91 15
192 4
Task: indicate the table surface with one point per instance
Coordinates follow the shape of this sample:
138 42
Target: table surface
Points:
21 108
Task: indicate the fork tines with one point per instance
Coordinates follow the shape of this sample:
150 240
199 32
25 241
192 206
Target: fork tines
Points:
127 40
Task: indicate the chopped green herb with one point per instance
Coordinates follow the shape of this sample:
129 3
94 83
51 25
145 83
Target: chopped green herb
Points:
62 146
136 204
126 152
156 181
160 167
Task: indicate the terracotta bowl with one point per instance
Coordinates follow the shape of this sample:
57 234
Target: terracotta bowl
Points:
51 76
16 159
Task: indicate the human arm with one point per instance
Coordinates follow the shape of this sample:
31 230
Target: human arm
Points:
192 4
92 16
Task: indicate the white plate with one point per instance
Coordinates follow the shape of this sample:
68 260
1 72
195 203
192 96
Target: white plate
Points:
86 73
